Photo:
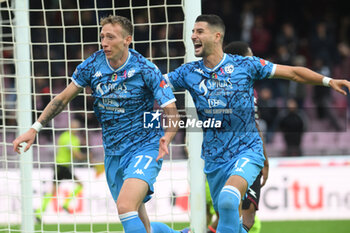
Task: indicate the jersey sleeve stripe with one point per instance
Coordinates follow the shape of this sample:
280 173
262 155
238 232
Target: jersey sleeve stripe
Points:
273 71
168 102
76 83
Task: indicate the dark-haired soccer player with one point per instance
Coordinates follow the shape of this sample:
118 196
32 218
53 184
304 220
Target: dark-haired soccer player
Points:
233 153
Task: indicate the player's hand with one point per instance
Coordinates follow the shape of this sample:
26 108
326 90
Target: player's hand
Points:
265 173
163 148
27 137
339 85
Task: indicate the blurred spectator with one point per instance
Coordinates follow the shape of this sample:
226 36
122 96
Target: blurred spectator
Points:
268 111
342 70
292 124
260 38
345 29
322 97
322 45
280 85
288 39
284 57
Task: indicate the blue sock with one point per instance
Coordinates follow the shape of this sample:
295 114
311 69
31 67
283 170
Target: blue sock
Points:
159 227
243 228
132 223
229 199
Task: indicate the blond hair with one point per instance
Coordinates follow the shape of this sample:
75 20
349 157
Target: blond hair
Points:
117 19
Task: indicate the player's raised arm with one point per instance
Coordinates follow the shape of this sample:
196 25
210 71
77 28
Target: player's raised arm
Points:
55 106
305 75
172 115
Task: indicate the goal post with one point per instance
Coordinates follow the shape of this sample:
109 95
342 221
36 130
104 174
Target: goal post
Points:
41 43
24 120
194 143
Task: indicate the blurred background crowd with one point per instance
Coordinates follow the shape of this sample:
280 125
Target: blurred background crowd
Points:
296 119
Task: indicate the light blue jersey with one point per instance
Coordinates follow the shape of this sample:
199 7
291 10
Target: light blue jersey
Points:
122 96
225 93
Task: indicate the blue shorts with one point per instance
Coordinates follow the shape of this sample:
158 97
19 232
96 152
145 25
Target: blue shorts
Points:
247 166
139 163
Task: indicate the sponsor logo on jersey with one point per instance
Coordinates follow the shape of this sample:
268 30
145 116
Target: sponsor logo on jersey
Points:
263 62
216 103
203 88
98 74
111 108
198 70
213 84
139 172
103 88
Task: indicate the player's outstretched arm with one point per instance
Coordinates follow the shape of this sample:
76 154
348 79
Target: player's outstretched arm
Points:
305 75
172 115
55 106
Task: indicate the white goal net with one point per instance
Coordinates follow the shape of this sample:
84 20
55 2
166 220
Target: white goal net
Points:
41 43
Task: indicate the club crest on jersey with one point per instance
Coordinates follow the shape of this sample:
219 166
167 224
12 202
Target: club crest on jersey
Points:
114 77
214 75
229 68
131 73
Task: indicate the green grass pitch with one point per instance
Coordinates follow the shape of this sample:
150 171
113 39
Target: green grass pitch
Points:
324 226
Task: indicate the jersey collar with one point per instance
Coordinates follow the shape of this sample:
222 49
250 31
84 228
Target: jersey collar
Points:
120 67
217 66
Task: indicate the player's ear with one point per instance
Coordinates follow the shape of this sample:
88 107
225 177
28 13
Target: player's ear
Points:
128 40
218 36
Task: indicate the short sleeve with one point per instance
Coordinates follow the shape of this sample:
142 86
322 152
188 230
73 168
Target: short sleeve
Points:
176 78
260 68
82 74
157 83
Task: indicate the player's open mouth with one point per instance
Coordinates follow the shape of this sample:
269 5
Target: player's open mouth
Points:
197 46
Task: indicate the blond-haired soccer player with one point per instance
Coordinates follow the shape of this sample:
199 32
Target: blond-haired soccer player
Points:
125 85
